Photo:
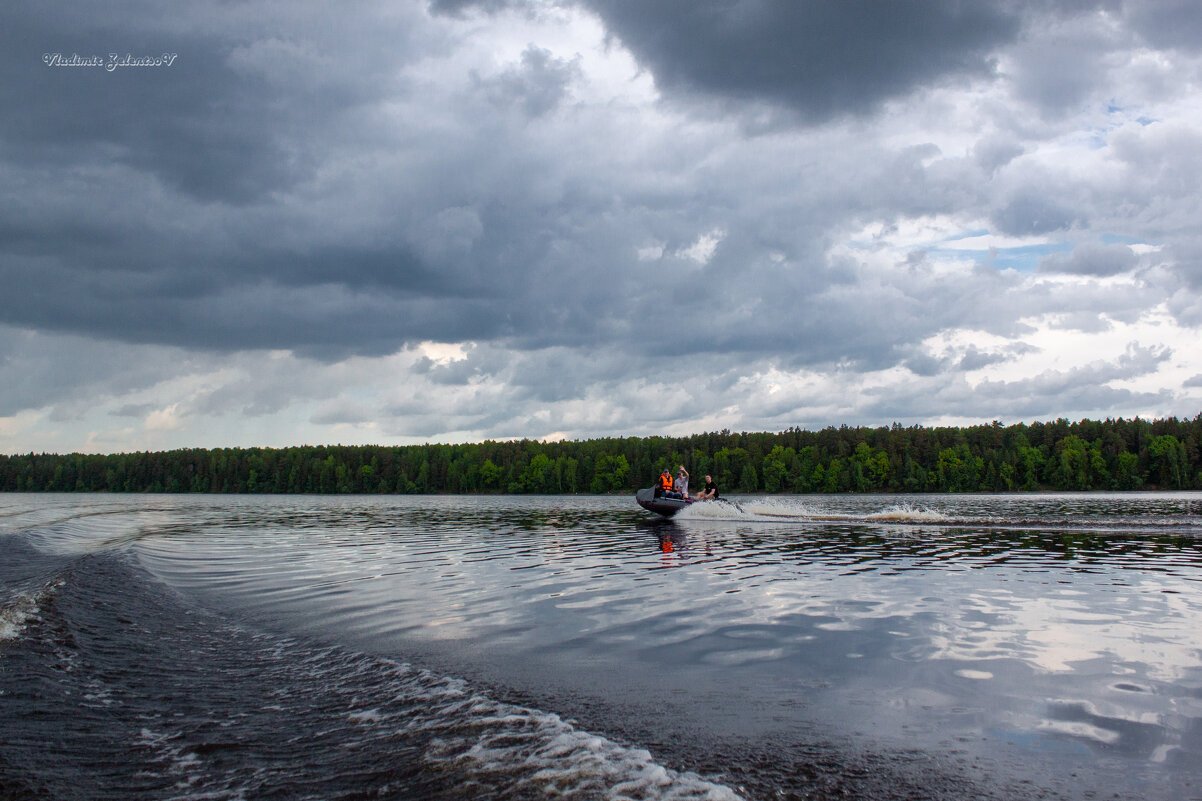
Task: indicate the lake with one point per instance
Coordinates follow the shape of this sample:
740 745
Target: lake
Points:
1009 647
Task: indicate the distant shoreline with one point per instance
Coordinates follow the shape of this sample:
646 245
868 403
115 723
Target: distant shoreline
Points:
1146 489
1087 455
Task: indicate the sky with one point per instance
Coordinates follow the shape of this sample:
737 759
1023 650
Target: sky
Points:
285 223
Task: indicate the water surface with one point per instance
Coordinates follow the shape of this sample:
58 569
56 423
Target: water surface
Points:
805 647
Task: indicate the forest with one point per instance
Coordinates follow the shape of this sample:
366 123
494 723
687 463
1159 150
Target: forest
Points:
1085 455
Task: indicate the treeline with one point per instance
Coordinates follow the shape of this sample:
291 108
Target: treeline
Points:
1086 455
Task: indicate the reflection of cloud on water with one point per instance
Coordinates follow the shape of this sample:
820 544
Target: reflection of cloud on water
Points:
1057 632
861 599
452 579
1116 729
979 675
986 601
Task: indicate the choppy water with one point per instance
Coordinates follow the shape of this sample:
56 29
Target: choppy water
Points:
391 647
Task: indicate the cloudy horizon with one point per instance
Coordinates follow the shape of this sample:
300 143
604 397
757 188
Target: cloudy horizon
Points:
274 224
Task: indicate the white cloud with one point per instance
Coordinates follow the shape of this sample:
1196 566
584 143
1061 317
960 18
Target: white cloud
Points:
703 249
165 419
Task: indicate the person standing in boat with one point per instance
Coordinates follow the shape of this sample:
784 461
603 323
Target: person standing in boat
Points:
710 493
682 482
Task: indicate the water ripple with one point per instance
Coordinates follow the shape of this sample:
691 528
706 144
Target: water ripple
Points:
1030 625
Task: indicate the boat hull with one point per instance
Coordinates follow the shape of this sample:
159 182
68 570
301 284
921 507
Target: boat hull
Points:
661 505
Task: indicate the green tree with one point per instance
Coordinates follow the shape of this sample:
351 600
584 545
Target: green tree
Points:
567 470
1070 469
729 463
958 470
1030 463
748 481
869 468
490 475
609 473
538 477
1168 467
836 478
1127 474
775 468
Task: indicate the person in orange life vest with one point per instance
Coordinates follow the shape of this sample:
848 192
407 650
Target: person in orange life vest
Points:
665 484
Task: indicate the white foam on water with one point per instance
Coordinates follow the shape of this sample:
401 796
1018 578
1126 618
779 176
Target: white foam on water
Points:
905 513
709 510
528 752
769 509
19 612
749 509
777 508
173 758
366 716
541 754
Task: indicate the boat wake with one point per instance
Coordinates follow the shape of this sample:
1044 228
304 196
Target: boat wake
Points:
776 510
22 609
911 516
170 699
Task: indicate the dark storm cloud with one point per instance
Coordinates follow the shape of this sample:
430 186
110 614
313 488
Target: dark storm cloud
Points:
200 218
459 8
355 182
820 59
171 205
319 316
38 371
194 122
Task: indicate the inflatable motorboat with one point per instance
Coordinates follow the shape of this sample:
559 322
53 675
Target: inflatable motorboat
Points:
660 504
